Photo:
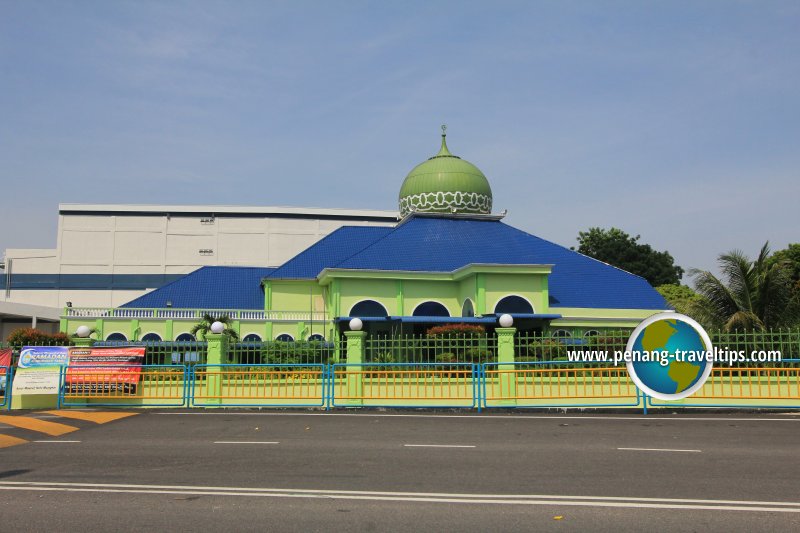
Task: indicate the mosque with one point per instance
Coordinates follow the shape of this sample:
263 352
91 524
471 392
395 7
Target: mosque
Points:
448 259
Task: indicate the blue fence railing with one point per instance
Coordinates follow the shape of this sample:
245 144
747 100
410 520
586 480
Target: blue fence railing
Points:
404 385
124 386
557 384
545 384
774 387
6 386
262 385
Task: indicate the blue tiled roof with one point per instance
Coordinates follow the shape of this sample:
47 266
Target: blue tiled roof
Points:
331 250
421 244
211 287
446 244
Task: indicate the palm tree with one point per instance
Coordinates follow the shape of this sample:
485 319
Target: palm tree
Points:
204 326
754 296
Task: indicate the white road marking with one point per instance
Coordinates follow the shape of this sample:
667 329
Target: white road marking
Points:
493 499
501 417
57 441
439 445
659 450
245 442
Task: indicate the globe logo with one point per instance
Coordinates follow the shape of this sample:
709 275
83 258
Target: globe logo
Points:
668 356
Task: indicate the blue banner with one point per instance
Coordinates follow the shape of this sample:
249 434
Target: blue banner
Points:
42 356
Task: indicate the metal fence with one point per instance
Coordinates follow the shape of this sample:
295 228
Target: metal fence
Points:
283 385
557 384
426 349
554 346
774 386
6 381
285 353
166 353
124 386
424 371
545 384
404 385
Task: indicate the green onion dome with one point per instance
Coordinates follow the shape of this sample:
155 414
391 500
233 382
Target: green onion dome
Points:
445 184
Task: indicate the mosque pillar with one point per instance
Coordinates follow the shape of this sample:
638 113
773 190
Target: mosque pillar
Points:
355 373
507 375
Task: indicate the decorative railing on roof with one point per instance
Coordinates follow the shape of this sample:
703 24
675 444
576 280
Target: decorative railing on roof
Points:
190 314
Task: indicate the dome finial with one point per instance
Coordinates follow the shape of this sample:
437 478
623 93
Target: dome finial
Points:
443 151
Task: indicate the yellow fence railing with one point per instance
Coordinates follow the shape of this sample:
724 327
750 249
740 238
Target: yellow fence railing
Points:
745 387
129 385
537 385
258 385
404 385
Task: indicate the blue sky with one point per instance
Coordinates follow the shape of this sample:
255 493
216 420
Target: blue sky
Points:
678 121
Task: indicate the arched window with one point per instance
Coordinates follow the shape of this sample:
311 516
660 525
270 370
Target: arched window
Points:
316 337
467 309
185 357
591 333
368 308
251 337
562 334
151 337
117 337
284 337
514 305
430 309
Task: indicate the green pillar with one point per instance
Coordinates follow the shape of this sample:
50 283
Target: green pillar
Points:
169 330
505 357
267 296
98 325
355 357
82 342
217 355
480 294
401 311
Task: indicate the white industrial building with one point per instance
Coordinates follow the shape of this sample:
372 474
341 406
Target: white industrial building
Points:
107 255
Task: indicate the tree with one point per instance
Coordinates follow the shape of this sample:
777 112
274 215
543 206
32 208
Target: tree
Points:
204 326
682 298
617 248
790 257
755 295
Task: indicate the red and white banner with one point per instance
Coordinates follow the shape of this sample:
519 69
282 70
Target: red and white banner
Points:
104 369
5 359
6 356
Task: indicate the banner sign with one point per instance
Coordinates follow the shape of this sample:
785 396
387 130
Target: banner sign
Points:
5 363
35 381
104 369
41 356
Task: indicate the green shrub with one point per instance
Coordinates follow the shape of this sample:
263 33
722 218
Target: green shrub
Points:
33 337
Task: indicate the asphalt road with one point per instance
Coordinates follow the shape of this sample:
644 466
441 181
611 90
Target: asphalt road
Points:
401 471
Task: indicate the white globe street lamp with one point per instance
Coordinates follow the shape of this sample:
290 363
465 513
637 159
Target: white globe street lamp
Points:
217 327
356 324
506 321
